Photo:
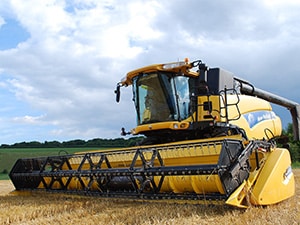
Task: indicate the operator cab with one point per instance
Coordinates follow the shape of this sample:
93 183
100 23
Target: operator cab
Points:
160 97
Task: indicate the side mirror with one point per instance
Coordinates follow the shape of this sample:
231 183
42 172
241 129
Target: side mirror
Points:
117 92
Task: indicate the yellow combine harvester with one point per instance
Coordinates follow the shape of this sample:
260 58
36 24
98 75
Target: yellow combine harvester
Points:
208 136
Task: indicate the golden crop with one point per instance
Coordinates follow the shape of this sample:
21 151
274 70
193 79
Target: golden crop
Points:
46 208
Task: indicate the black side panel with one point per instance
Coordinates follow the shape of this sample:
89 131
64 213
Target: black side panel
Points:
218 79
234 158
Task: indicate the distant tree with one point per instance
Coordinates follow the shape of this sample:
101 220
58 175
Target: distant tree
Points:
96 142
52 144
74 143
294 146
34 144
5 146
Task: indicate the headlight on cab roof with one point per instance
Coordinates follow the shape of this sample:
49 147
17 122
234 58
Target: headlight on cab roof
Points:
168 66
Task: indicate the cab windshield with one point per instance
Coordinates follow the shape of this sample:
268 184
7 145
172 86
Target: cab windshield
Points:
161 97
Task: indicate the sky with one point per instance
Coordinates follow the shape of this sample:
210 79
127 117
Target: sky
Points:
60 60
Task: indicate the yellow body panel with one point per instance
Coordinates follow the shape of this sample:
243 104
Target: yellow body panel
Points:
256 116
276 180
237 198
203 112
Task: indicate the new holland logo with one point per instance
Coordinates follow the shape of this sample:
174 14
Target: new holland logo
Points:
287 175
253 118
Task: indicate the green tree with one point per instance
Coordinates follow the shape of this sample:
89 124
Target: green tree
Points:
294 146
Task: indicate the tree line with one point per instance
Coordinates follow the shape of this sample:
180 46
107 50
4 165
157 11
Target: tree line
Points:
96 142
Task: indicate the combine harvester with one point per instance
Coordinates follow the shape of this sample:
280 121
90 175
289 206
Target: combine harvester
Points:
208 136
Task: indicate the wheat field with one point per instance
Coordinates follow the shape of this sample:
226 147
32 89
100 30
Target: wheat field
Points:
45 208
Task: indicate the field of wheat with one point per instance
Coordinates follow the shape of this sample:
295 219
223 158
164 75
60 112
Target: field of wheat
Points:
45 208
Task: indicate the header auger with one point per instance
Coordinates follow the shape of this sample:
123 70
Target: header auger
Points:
208 136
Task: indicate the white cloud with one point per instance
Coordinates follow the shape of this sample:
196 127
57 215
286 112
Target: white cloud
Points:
2 22
29 119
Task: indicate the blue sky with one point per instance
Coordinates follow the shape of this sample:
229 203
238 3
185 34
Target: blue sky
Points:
12 33
60 60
